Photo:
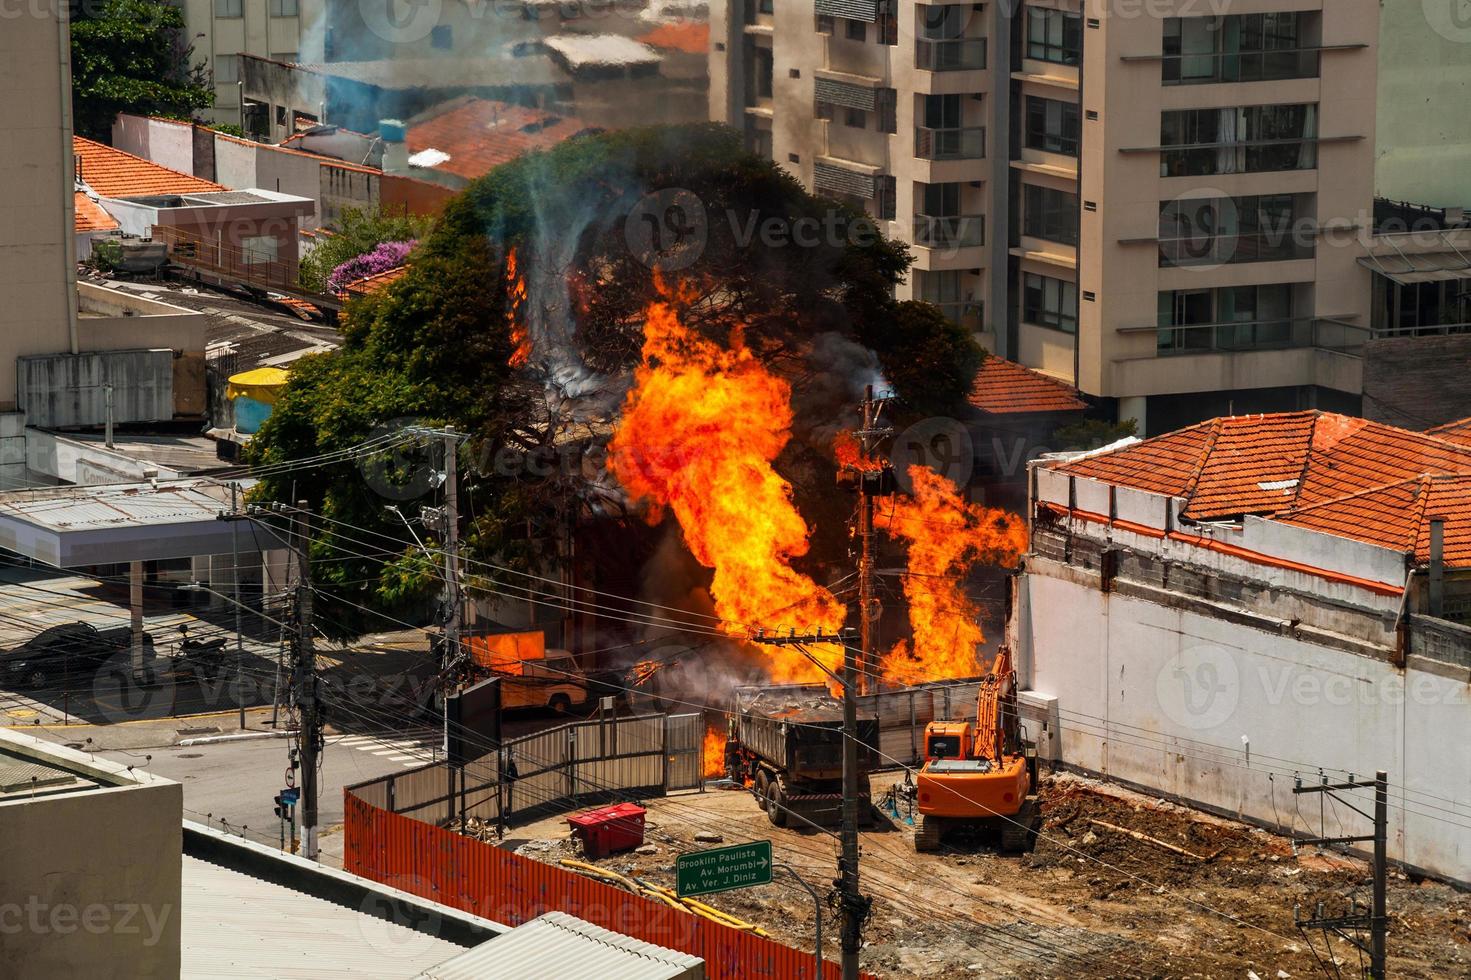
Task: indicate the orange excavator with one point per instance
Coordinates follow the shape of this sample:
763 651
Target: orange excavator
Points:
979 775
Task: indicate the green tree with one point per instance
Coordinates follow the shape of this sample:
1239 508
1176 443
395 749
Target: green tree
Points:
929 359
358 231
435 344
1092 433
132 56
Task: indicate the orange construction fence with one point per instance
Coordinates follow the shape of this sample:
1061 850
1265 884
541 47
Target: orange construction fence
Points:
484 880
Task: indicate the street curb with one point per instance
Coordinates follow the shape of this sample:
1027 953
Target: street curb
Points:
238 737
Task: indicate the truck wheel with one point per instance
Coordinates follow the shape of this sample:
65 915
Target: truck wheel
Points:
560 703
36 678
763 787
927 836
776 810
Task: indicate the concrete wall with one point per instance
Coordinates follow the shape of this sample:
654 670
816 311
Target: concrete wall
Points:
117 320
37 262
1424 104
1417 382
64 390
167 142
95 874
1220 714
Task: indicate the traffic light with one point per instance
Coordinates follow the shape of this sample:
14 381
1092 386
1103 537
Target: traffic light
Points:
283 809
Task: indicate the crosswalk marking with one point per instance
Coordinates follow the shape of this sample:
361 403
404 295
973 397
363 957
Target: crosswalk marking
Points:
408 753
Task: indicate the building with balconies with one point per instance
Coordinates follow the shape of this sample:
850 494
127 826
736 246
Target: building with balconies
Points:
1165 205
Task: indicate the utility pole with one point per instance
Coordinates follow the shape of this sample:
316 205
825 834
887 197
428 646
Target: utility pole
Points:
852 904
235 589
304 676
452 594
865 554
1376 921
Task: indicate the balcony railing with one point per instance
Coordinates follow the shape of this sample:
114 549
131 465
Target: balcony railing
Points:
949 231
1245 157
953 54
954 143
967 313
1281 246
1240 66
1255 335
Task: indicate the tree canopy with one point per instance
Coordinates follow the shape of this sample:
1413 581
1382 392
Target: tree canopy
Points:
132 56
435 345
357 232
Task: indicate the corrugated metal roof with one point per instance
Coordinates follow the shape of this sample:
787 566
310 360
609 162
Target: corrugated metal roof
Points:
235 926
116 505
563 946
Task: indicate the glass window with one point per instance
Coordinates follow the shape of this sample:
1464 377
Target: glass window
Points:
1246 139
259 251
226 9
887 198
1050 302
1054 35
856 30
886 103
1050 214
767 6
1052 126
855 118
1254 228
1239 48
285 8
824 24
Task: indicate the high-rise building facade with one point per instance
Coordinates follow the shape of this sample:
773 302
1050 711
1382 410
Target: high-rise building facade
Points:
1154 201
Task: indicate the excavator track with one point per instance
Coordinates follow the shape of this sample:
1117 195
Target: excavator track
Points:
927 835
1016 831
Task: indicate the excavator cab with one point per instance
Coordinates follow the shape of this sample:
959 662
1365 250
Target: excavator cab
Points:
948 740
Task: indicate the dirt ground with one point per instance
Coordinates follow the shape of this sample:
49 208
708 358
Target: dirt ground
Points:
1087 901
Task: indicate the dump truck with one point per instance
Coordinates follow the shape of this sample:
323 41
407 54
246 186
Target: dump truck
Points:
785 742
979 775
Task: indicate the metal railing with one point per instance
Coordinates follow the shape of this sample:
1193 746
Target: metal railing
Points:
949 231
1255 335
1233 249
960 312
951 143
950 54
1421 330
1240 66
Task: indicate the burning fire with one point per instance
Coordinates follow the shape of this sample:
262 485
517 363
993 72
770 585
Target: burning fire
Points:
698 434
849 453
946 536
714 753
516 298
642 671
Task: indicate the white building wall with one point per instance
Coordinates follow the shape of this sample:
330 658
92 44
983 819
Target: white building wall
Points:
1223 715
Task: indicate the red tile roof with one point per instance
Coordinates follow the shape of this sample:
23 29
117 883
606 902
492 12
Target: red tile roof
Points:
1453 432
1398 516
481 134
113 173
1005 387
1266 464
372 284
90 216
690 37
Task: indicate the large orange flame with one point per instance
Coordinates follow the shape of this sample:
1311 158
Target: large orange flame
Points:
515 299
698 434
946 536
713 753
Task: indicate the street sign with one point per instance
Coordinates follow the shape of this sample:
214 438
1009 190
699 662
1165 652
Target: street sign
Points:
722 868
290 795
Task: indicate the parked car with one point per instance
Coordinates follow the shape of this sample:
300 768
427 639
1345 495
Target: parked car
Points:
68 650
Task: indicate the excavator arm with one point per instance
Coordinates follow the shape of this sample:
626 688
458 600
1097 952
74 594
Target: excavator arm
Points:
996 708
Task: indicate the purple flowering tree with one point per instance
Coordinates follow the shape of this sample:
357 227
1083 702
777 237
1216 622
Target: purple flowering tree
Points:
389 255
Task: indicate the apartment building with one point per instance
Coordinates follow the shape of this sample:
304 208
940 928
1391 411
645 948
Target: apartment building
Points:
1128 197
220 31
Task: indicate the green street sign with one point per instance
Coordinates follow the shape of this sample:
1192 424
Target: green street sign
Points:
722 868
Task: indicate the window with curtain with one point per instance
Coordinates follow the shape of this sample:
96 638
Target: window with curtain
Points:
1244 139
1050 214
1052 126
1240 48
1050 302
1054 35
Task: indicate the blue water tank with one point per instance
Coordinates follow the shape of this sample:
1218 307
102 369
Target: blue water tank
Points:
250 414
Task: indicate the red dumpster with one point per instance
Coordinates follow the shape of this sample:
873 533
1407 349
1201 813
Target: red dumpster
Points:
619 827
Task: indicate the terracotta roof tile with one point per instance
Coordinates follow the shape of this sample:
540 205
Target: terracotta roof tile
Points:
480 135
1005 387
1269 464
90 216
1457 432
374 283
691 37
1398 516
112 173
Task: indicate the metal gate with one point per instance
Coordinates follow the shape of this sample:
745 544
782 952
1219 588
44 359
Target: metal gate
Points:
684 747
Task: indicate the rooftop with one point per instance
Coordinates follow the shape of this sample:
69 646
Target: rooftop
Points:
473 136
378 281
691 37
586 50
1341 475
1003 387
1457 432
411 73
556 944
113 173
90 216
